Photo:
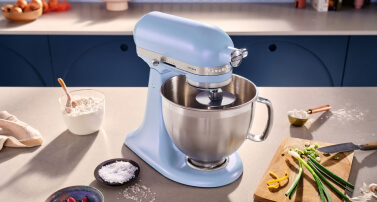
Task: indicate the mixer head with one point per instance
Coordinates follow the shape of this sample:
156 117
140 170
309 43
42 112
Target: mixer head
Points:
205 54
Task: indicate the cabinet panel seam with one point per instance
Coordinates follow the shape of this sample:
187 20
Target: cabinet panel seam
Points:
345 60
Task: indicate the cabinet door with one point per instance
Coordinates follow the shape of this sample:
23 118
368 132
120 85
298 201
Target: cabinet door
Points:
361 65
98 61
293 60
25 61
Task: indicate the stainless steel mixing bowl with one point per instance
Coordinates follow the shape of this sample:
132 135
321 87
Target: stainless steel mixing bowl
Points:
209 135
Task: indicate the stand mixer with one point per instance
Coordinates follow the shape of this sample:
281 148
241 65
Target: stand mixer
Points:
198 113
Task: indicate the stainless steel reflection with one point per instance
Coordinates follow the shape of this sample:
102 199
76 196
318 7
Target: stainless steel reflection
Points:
208 134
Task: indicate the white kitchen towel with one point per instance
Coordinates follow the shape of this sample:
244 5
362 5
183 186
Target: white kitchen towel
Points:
15 133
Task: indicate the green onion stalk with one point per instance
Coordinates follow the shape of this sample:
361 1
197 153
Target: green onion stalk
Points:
324 194
339 179
329 177
310 162
291 191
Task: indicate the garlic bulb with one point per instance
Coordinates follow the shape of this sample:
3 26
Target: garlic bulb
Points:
373 188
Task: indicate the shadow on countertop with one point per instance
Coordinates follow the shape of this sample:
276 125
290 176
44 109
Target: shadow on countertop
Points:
9 24
370 161
8 153
55 160
306 133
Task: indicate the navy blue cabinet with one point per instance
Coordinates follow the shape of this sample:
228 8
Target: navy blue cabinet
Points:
25 61
112 60
97 61
293 60
361 65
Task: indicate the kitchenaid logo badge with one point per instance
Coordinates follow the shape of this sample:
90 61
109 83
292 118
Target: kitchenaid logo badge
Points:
216 70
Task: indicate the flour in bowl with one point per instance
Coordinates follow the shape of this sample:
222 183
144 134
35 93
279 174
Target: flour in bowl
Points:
86 117
85 105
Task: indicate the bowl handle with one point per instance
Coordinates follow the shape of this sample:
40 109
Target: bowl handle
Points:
270 111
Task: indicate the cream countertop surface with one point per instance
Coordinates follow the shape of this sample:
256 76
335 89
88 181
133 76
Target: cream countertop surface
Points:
65 159
235 19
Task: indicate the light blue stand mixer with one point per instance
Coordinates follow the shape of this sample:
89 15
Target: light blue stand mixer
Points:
198 113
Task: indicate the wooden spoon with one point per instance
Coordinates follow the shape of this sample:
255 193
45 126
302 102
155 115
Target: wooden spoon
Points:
70 102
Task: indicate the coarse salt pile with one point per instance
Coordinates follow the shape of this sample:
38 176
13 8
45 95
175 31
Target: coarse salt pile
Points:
118 172
138 192
300 114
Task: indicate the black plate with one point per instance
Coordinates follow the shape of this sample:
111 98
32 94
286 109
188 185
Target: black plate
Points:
96 174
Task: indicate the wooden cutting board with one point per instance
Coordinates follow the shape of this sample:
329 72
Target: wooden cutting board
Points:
307 188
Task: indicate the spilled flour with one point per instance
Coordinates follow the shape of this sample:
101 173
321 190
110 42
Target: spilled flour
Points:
345 115
138 192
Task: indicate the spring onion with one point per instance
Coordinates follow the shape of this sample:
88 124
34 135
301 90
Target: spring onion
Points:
339 179
291 191
332 179
329 177
312 148
321 188
326 181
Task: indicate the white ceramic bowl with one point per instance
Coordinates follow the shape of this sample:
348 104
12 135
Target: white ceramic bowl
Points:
79 120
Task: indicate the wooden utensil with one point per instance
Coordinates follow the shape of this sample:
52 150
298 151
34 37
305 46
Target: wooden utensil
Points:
319 109
307 188
70 102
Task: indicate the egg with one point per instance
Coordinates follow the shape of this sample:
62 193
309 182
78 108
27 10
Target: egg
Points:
27 8
16 9
7 8
35 4
21 3
45 6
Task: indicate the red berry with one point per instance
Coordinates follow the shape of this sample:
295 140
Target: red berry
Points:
70 199
85 199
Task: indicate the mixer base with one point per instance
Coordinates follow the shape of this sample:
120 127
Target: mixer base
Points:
207 166
174 166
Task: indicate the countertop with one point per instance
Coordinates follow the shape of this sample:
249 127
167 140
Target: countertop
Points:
65 159
235 19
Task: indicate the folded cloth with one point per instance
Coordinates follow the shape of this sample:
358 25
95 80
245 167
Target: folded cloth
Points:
15 133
